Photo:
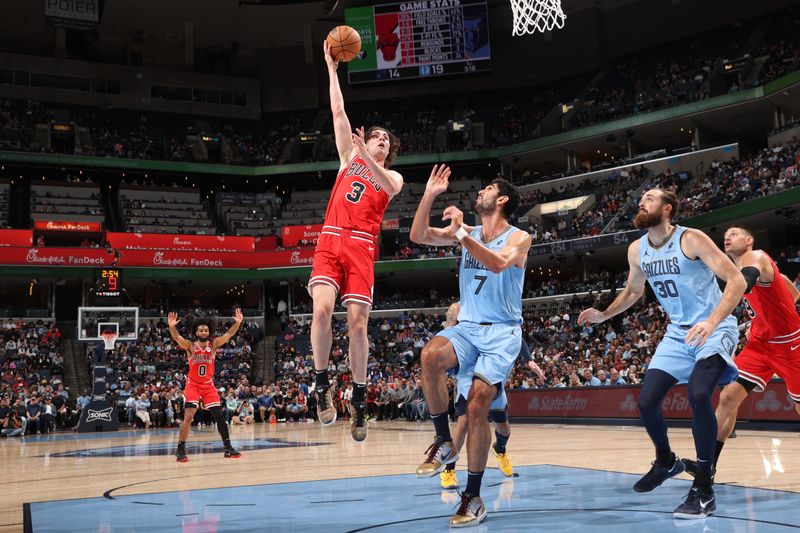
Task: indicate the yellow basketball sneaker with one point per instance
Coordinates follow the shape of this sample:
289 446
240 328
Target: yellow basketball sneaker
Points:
470 513
448 480
504 462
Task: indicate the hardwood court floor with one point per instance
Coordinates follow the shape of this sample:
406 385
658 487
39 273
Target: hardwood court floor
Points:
69 466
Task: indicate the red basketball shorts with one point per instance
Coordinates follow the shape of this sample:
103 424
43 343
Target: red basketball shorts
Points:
195 391
345 260
760 360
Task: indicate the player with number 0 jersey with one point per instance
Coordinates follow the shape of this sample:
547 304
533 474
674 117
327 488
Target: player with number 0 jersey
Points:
200 380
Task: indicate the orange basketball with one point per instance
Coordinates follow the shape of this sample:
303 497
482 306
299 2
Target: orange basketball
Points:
345 43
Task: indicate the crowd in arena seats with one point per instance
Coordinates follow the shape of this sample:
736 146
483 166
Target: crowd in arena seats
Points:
31 385
769 171
147 377
781 46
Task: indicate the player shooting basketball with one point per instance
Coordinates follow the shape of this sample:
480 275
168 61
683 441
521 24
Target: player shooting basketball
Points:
344 257
200 380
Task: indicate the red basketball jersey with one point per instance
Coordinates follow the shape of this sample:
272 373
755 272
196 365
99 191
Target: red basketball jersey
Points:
771 308
201 364
357 201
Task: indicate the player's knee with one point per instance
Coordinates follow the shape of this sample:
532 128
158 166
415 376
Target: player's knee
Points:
698 396
357 328
323 311
432 356
645 405
728 402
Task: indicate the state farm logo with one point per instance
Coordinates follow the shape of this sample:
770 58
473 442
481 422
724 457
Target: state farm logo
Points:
557 403
771 402
159 259
33 257
178 241
628 404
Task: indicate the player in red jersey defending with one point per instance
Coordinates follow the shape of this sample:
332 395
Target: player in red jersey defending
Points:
773 339
200 380
344 257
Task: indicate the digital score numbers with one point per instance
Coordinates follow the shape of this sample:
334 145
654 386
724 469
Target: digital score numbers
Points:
421 39
108 282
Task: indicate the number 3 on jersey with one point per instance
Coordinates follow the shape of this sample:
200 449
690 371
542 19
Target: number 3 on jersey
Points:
354 196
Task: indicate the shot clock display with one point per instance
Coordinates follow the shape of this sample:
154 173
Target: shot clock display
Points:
419 39
107 284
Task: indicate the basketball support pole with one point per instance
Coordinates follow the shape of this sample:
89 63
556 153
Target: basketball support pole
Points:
99 415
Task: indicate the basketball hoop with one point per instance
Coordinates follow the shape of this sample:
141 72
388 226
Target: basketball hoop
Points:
531 16
109 338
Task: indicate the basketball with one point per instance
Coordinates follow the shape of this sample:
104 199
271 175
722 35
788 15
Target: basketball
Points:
345 43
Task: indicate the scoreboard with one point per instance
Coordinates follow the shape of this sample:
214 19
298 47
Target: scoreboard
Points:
419 39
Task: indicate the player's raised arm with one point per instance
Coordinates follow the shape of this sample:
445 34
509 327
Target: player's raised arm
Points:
421 232
632 292
342 130
173 321
390 180
514 253
697 244
238 317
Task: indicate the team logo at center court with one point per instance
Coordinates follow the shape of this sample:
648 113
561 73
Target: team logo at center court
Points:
103 414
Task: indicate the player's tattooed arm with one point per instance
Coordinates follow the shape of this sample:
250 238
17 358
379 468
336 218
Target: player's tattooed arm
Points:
421 232
173 321
632 293
238 317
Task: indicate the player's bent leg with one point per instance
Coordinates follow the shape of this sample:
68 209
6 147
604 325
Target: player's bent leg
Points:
357 317
180 453
222 427
730 399
437 356
656 385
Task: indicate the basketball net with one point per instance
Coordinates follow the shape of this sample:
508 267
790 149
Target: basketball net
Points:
109 338
531 16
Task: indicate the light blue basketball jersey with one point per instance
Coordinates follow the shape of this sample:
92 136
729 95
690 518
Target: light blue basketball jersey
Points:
686 288
489 297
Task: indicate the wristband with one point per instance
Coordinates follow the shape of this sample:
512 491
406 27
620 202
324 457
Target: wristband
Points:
461 233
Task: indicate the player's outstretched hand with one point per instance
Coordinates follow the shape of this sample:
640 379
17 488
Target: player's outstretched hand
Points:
591 316
360 143
326 48
699 334
238 316
438 180
173 320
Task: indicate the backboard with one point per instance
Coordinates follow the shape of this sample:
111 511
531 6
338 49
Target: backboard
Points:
93 321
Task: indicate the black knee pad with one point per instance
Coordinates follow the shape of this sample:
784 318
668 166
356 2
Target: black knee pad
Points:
190 405
460 406
499 416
